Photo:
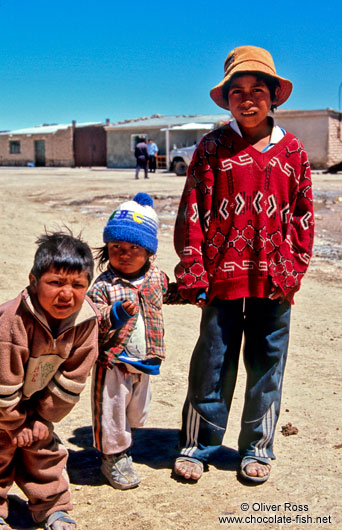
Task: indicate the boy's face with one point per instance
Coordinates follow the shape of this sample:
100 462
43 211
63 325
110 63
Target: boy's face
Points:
60 293
127 257
249 101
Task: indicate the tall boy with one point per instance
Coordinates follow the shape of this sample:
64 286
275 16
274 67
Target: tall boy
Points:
48 345
244 235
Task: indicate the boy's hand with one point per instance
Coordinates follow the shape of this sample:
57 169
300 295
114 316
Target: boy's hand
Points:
277 294
130 307
200 303
202 298
21 437
40 430
34 430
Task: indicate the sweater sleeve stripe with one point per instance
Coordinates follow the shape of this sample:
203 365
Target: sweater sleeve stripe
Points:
10 400
62 393
7 390
66 384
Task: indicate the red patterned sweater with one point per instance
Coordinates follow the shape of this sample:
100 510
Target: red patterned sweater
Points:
245 220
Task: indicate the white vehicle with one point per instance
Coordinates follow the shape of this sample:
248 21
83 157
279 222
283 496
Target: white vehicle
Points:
180 159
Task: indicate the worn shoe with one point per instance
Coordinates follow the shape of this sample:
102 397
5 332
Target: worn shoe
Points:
118 470
253 478
60 518
188 468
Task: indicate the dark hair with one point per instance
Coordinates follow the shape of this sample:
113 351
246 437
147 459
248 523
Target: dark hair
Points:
61 250
101 256
271 82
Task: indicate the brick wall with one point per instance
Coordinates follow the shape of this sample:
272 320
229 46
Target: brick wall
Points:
26 154
335 140
58 148
311 127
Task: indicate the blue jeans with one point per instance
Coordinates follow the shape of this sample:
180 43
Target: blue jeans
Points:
265 325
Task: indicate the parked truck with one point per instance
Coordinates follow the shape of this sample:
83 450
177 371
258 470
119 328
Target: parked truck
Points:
180 159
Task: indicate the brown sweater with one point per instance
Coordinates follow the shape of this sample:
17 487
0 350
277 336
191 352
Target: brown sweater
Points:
40 372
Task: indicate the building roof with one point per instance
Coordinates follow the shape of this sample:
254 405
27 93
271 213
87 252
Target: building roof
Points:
306 113
157 121
47 128
190 127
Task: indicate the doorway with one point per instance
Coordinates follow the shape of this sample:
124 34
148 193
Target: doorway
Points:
39 153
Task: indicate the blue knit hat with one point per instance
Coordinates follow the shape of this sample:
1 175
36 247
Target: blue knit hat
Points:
135 222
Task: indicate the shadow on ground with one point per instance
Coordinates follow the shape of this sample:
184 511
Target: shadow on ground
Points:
155 448
19 516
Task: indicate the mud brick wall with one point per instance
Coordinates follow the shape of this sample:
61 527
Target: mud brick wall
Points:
58 148
335 141
319 132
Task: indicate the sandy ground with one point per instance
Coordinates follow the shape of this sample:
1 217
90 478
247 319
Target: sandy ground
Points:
304 490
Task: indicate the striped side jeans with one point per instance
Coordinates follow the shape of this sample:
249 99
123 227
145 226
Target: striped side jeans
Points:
265 326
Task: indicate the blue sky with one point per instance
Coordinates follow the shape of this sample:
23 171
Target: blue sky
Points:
89 61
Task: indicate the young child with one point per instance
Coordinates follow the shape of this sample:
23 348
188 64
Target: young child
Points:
129 295
244 235
48 344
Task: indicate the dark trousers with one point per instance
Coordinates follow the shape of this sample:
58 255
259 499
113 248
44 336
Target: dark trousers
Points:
141 164
152 163
265 325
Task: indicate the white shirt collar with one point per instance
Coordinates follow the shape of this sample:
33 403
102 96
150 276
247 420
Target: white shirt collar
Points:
276 135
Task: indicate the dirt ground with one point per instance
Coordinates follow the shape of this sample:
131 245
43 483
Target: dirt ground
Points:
304 490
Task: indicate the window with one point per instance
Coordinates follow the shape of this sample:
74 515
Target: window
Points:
14 147
135 139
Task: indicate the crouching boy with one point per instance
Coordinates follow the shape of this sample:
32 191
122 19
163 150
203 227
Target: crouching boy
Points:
48 345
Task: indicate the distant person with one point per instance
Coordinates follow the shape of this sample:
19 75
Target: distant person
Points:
129 296
141 155
244 235
334 169
152 149
48 345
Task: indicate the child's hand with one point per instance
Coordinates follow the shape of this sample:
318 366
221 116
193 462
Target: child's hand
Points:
202 298
277 294
40 430
130 307
21 437
200 303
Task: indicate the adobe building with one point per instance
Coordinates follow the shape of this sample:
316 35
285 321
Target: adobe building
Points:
59 145
112 145
122 136
320 132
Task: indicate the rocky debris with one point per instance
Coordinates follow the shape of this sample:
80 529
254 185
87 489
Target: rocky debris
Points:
289 429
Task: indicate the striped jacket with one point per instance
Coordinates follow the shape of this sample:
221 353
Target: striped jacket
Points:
40 372
155 290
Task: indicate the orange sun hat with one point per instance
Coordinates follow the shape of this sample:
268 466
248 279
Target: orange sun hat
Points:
250 59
